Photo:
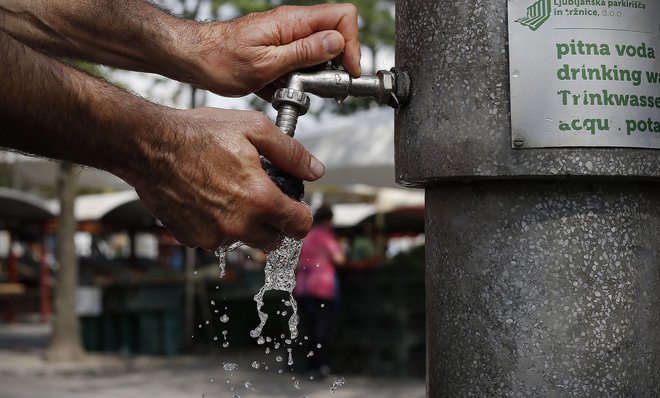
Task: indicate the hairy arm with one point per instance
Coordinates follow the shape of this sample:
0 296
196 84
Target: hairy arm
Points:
231 58
127 34
198 171
50 109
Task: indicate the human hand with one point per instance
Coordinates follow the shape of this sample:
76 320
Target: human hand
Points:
249 54
205 183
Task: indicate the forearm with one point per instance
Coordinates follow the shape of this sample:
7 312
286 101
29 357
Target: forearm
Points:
127 34
52 110
232 58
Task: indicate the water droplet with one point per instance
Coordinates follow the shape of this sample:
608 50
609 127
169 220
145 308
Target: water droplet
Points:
267 350
340 101
248 385
255 365
268 339
225 344
279 358
224 318
261 340
296 384
212 302
212 379
336 383
199 326
322 305
290 361
276 345
207 322
319 345
215 338
284 313
310 354
195 272
516 73
229 366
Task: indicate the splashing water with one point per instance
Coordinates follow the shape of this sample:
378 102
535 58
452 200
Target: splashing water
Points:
280 275
336 383
222 258
230 366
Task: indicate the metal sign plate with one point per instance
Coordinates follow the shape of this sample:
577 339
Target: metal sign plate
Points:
585 73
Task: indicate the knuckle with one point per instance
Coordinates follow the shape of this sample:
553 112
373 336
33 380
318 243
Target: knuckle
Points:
304 52
353 10
260 122
299 226
350 9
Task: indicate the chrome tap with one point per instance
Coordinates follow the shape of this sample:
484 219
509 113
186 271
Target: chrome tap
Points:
386 87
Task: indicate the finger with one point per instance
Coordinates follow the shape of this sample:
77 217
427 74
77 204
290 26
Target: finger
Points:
309 51
342 18
284 151
264 237
290 217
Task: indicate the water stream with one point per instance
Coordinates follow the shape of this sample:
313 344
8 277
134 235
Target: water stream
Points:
280 273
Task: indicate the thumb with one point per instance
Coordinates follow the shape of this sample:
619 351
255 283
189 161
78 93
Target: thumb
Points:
309 51
286 153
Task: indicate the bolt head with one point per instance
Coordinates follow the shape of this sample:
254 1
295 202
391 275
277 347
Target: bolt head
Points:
387 86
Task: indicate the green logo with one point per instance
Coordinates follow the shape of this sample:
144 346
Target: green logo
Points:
537 14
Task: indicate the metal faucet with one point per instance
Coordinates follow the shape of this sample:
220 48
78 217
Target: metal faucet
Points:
386 87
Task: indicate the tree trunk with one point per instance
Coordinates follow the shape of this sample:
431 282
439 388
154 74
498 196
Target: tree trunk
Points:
65 344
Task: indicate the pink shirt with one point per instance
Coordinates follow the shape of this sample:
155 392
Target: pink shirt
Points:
316 272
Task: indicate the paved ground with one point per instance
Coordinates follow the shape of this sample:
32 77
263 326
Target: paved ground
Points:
24 374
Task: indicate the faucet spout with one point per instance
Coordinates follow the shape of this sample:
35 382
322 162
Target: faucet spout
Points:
339 84
386 87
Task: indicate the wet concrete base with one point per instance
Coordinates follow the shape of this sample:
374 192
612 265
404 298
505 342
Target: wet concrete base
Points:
543 289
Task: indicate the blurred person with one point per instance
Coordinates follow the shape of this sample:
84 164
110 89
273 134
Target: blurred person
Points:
317 289
363 252
198 171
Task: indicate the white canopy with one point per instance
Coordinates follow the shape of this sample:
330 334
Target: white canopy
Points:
355 150
40 171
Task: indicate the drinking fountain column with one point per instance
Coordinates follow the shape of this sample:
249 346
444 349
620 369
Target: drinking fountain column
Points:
542 231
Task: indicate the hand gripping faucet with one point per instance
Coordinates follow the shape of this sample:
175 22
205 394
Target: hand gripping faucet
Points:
386 87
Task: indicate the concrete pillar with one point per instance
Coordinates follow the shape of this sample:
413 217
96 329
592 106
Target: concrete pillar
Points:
542 266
